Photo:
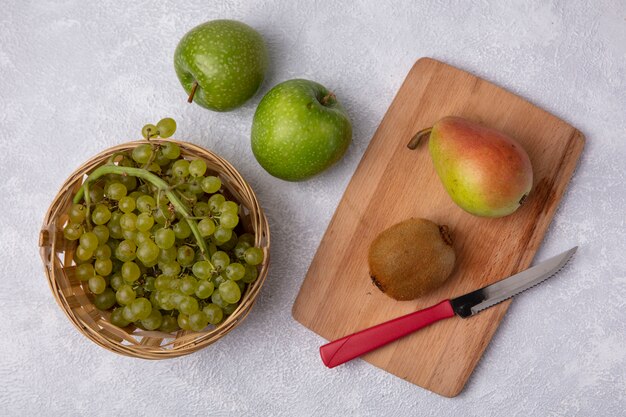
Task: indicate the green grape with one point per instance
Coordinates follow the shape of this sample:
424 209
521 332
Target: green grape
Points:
116 191
149 283
206 227
186 255
217 299
168 255
129 235
162 282
235 271
148 252
105 300
125 294
180 168
213 313
166 300
89 241
197 168
181 230
144 222
228 220
195 185
128 181
242 286
218 279
174 284
230 308
169 324
229 207
198 321
189 305
229 291
142 153
253 256
128 221
247 238
77 213
103 267
145 204
128 314
220 259
116 281
204 289
188 197
116 230
166 127
251 274
142 237
84 272
100 214
201 209
165 238
171 268
127 204
161 159
153 321
222 234
83 254
170 150
96 194
72 231
102 232
215 202
230 243
141 308
163 214
102 252
211 184
126 251
183 322
97 284
188 285
117 318
202 269
130 271
149 131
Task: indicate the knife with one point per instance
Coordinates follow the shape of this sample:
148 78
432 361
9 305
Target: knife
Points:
352 346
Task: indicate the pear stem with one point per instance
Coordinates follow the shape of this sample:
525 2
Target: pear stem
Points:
415 140
194 87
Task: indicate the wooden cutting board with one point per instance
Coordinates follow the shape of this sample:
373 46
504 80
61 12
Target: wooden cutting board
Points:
393 183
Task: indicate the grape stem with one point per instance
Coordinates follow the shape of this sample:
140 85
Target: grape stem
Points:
161 185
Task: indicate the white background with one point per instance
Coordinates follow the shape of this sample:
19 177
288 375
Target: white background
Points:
77 77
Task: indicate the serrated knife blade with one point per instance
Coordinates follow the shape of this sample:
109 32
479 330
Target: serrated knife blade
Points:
354 345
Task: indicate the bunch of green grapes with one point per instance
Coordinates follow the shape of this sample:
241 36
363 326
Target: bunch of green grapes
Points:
158 241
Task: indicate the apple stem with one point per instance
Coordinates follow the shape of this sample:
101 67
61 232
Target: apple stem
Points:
194 87
415 140
328 98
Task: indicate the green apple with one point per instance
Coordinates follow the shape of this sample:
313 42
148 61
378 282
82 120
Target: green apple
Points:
221 64
299 130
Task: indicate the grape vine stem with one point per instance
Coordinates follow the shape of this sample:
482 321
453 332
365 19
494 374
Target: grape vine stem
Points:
157 182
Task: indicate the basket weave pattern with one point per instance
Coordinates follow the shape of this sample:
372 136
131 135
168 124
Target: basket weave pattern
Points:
74 297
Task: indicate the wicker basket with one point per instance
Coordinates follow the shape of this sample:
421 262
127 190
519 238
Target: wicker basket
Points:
57 254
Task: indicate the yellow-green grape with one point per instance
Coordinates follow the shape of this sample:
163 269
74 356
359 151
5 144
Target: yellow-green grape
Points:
163 214
128 314
141 308
216 298
185 256
102 252
130 271
235 271
220 260
85 271
169 324
228 220
102 232
149 131
202 269
149 283
188 285
162 282
229 207
251 274
100 214
183 322
126 251
125 294
218 279
166 127
170 150
168 255
165 238
213 313
145 204
229 291
206 227
175 284
247 238
180 168
89 241
189 305
253 256
116 281
77 213
144 222
128 221
222 234
117 318
198 321
197 168
215 202
105 300
83 254
97 284
141 238
148 252
126 204
211 184
204 289
171 268
142 153
129 235
72 231
103 267
115 191
229 245
201 209
182 230
153 321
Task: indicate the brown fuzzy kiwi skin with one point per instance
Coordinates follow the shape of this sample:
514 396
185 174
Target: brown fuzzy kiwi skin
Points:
411 258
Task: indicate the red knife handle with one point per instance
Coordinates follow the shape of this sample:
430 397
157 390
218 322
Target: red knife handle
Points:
354 345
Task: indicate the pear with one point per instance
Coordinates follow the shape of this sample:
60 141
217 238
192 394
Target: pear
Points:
486 172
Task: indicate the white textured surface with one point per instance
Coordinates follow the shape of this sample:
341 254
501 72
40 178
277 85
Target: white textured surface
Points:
76 77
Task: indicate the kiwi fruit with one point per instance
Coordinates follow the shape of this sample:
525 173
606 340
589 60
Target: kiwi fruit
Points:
411 258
